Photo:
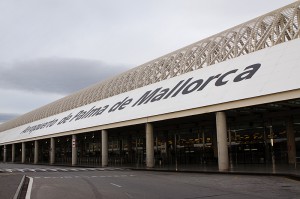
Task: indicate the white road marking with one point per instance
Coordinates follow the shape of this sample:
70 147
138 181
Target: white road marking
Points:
71 177
130 196
56 169
116 185
28 193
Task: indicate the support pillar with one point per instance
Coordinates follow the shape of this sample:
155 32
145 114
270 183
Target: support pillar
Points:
104 138
74 150
291 145
23 152
52 150
223 159
149 146
13 153
36 152
4 153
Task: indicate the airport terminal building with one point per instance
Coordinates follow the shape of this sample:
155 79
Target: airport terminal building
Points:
228 100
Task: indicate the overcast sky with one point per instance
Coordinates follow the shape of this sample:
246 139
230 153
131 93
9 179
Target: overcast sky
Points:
51 48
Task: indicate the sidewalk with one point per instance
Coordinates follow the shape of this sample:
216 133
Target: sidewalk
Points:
247 169
243 169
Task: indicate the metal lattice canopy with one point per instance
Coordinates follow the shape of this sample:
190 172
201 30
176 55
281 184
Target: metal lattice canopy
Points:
268 30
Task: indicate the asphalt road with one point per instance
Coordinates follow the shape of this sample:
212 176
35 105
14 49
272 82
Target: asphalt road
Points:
144 184
69 182
9 183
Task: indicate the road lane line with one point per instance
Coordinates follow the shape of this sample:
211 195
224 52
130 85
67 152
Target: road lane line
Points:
116 185
28 193
130 196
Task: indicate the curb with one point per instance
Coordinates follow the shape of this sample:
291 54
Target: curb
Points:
17 194
286 175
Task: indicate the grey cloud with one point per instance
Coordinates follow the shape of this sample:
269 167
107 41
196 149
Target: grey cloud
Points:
55 75
137 31
7 116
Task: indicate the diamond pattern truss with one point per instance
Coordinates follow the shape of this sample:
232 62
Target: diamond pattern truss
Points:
268 30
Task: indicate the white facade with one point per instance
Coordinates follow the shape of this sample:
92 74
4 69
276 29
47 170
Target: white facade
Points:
277 70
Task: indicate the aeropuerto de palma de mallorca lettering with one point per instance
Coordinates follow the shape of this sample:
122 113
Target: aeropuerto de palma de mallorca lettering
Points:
229 100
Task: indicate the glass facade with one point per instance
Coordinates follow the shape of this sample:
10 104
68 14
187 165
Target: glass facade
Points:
44 151
63 150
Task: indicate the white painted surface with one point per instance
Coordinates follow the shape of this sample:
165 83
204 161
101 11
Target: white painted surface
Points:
28 193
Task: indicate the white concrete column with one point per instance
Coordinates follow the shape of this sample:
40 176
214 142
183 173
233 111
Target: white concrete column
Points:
215 145
23 152
36 152
104 138
52 150
4 153
223 159
13 153
149 146
291 145
74 150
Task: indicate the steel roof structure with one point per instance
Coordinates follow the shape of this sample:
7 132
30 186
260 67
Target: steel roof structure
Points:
265 31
